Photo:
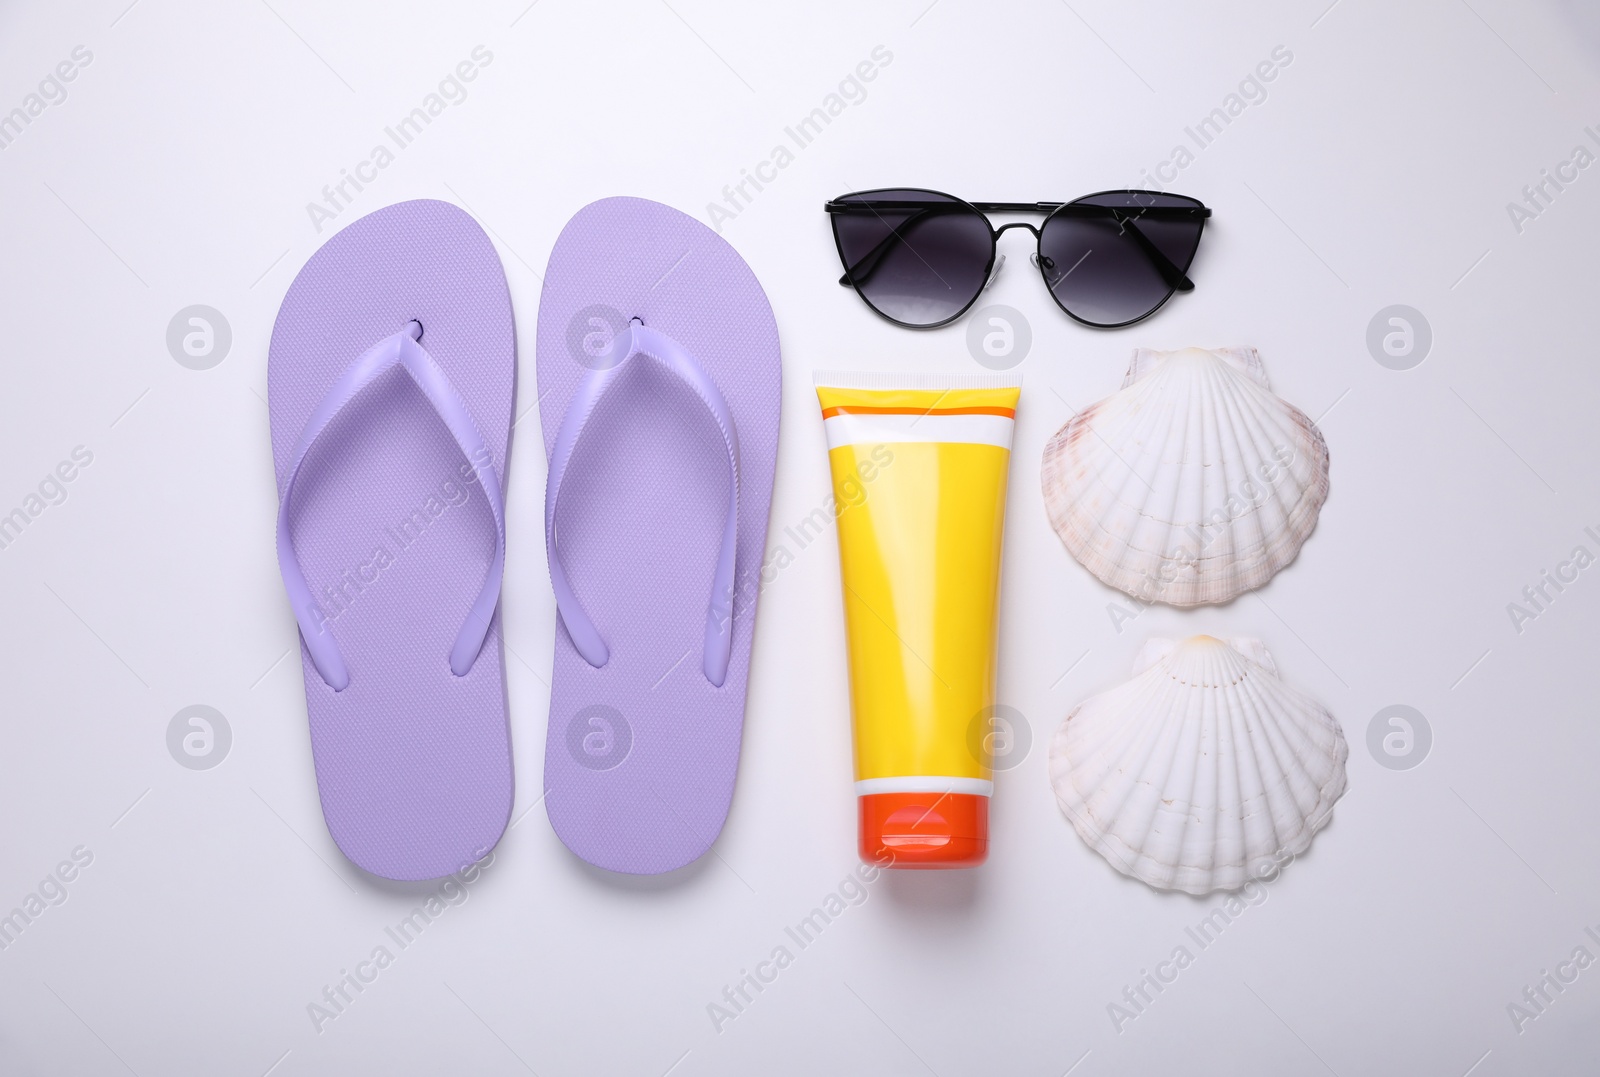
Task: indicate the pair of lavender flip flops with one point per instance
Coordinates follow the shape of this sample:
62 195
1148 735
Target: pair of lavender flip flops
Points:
391 382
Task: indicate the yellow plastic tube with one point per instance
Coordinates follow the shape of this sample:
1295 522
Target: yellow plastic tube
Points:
921 462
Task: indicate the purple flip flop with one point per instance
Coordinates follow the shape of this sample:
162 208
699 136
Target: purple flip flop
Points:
390 378
659 391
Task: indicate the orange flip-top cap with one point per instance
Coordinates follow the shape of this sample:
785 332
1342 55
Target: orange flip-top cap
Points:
924 830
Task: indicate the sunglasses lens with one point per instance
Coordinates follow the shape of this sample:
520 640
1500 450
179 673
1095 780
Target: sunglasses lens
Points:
1110 271
916 257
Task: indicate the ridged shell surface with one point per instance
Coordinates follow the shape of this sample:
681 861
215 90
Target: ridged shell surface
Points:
1203 771
1192 484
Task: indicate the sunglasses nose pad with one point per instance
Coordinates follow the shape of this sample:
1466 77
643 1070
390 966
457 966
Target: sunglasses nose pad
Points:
1045 265
995 272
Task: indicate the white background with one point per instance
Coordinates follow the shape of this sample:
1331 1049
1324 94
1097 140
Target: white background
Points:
1377 172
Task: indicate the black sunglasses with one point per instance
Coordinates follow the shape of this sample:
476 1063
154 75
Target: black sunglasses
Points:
922 258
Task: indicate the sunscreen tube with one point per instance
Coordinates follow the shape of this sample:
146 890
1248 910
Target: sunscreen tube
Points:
919 482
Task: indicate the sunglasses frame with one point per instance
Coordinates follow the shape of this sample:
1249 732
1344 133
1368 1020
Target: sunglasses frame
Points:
1177 275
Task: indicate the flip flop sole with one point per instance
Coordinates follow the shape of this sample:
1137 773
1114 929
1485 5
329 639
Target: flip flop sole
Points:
641 754
413 763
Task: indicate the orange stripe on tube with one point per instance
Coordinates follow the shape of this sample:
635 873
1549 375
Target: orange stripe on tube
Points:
857 409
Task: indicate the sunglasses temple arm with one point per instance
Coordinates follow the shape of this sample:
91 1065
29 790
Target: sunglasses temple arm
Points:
1174 276
861 269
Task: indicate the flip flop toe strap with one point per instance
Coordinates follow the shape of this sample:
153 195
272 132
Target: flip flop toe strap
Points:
634 342
403 349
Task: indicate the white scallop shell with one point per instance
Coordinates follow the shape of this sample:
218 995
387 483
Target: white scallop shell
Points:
1203 771
1191 485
